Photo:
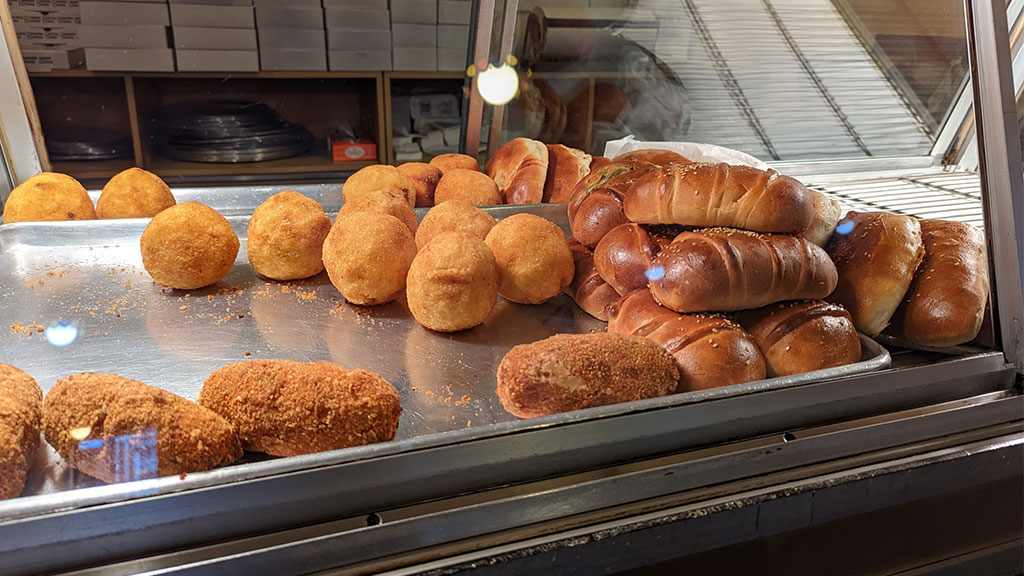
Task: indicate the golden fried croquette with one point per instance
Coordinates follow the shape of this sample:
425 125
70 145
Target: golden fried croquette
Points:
380 177
454 215
286 236
470 186
21 414
134 193
452 283
533 256
573 371
118 429
188 246
47 197
367 256
446 162
383 202
426 178
287 408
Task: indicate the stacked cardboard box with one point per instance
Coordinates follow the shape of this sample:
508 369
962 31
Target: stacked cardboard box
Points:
291 35
126 36
215 35
414 33
452 34
47 32
358 34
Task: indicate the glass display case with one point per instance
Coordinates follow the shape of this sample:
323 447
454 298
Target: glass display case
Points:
904 108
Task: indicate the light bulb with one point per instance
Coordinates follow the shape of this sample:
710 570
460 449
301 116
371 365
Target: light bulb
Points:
498 85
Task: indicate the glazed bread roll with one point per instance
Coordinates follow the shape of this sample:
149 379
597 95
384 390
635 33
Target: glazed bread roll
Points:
556 113
287 408
519 168
21 414
624 257
720 195
722 269
470 186
426 178
798 337
453 283
654 156
574 371
451 216
710 351
826 216
117 429
595 206
534 260
566 167
610 103
598 162
372 179
876 254
945 304
590 292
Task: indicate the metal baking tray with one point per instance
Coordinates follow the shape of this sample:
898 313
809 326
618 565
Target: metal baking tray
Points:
89 275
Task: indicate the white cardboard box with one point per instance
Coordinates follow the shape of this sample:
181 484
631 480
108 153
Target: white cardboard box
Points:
454 11
288 3
90 36
44 4
124 13
130 59
308 18
352 39
355 4
218 60
293 60
452 59
412 35
414 11
46 60
214 2
363 19
292 39
45 19
418 58
359 60
453 36
192 38
202 16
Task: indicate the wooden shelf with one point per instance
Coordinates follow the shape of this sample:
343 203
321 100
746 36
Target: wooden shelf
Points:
441 75
305 164
92 169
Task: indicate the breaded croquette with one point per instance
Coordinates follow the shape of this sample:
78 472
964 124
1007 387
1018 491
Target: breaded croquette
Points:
48 196
188 246
134 193
286 236
21 409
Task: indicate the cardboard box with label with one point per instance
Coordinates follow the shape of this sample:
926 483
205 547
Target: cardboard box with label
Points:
218 60
414 59
359 60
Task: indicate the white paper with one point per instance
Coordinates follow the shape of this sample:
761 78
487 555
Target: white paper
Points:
695 151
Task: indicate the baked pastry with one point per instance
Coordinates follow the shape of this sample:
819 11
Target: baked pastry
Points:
426 178
21 414
383 202
48 196
588 289
534 261
610 103
625 256
134 193
286 237
287 408
446 162
707 195
826 216
453 283
526 113
469 186
876 254
555 112
598 162
945 304
454 215
574 371
655 156
367 256
595 206
374 178
188 246
802 336
566 167
117 429
519 168
722 269
710 351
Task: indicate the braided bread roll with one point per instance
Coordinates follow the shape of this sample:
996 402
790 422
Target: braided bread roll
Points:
595 206
708 195
588 289
721 269
710 351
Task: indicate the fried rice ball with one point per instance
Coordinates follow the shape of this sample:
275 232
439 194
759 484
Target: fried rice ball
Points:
454 215
134 193
470 186
286 237
446 162
101 423
48 197
367 256
21 414
426 178
287 408
379 177
533 256
188 246
452 283
383 202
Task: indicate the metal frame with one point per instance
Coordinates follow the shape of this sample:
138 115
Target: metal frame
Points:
17 142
